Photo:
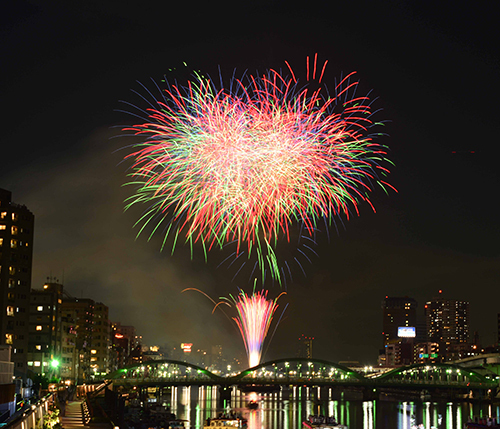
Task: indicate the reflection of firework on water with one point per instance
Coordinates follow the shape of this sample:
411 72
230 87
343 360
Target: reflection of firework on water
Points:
255 315
245 164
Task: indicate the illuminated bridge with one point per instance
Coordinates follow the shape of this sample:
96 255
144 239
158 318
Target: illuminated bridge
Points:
303 372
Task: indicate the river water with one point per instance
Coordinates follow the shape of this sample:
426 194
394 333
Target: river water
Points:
287 409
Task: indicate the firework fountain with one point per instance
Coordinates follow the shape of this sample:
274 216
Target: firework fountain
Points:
255 314
254 319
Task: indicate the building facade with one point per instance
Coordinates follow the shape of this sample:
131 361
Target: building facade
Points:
397 312
16 256
447 323
69 352
81 311
45 330
305 349
100 344
427 352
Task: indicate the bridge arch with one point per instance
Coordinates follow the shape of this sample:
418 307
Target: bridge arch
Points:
166 370
434 373
299 370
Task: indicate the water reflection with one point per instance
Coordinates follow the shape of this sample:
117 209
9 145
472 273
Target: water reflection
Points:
287 409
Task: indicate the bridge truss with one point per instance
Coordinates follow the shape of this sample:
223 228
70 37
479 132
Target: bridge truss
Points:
305 372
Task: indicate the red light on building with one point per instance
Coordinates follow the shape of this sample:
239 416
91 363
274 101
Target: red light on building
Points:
118 335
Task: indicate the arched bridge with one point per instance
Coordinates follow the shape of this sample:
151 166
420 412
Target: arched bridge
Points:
301 372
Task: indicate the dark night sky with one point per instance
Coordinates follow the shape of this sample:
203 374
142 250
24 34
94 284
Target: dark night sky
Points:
434 67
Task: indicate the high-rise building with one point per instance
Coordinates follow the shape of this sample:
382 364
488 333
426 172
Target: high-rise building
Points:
448 325
99 352
397 312
45 330
69 352
305 349
120 347
81 310
16 254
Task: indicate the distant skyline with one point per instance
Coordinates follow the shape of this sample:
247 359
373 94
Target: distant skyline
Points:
434 69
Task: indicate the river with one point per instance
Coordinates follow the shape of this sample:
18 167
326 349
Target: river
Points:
287 410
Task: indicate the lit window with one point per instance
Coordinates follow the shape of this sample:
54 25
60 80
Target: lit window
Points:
30 363
2 227
38 347
38 327
12 270
1 241
93 352
93 359
10 311
39 308
13 244
14 230
8 338
37 363
15 216
3 215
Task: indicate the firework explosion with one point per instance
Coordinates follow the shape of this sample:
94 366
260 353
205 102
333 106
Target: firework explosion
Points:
248 163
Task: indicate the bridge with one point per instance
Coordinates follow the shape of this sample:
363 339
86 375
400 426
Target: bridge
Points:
303 372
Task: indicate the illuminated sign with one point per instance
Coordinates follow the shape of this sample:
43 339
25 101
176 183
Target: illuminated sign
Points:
186 347
406 332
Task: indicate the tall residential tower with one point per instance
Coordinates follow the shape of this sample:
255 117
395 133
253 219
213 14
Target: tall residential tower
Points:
448 325
16 254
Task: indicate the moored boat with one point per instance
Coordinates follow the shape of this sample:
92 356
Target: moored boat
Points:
176 424
478 422
322 422
225 421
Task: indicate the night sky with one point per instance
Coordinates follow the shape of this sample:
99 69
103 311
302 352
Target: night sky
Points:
434 67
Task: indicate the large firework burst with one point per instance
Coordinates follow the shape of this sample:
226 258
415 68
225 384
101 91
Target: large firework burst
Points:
248 163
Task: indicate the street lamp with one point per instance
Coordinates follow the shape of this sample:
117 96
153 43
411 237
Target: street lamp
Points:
54 364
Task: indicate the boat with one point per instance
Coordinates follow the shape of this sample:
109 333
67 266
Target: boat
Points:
481 422
225 421
322 422
176 424
253 404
